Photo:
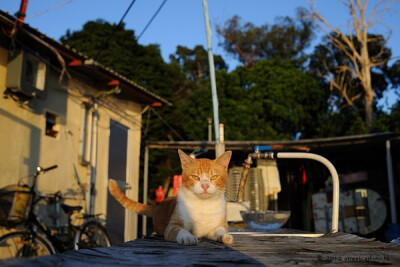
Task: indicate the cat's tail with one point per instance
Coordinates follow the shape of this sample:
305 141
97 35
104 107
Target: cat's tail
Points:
128 203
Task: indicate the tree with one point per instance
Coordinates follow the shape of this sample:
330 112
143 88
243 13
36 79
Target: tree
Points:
142 64
286 39
284 98
355 45
346 89
394 74
193 64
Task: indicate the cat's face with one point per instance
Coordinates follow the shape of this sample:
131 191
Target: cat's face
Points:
204 177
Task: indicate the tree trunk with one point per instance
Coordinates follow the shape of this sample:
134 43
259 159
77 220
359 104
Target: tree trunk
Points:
366 82
369 111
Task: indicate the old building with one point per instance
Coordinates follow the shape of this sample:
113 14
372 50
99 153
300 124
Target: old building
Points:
60 107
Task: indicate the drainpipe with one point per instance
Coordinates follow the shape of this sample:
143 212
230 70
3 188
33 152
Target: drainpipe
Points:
93 158
145 187
392 194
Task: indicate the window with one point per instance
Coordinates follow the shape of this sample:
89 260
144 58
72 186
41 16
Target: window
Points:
52 125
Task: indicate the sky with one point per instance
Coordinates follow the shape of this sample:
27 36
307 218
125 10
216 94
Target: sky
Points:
181 22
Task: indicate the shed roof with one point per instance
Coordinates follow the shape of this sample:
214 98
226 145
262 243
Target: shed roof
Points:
76 60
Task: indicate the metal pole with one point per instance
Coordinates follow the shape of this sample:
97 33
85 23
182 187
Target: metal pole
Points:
392 194
93 160
145 187
212 72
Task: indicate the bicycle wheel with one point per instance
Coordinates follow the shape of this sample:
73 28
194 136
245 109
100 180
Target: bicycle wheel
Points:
23 245
92 234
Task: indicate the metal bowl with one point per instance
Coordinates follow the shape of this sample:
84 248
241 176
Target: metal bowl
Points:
265 220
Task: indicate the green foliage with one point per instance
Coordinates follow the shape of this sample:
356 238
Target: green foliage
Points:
281 101
286 39
142 64
394 74
273 100
349 122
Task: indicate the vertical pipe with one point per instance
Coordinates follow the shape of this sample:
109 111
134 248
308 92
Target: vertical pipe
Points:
93 159
82 141
392 194
221 133
145 187
22 12
220 147
212 72
88 156
209 121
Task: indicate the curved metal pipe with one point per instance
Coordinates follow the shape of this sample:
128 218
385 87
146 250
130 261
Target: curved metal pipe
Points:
335 180
297 155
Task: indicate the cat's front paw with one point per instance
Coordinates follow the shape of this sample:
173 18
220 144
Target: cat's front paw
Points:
186 238
222 236
227 239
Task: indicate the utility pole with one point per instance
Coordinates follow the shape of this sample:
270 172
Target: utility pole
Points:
219 148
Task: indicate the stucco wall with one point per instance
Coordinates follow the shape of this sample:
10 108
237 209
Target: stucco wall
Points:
24 145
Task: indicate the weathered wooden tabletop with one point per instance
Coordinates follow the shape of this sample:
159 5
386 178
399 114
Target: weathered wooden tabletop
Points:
248 250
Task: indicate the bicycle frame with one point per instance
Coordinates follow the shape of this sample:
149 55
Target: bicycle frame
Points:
92 232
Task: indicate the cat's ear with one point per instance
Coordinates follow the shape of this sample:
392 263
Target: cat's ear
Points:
185 159
224 159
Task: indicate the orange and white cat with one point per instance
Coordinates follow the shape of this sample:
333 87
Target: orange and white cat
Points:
199 210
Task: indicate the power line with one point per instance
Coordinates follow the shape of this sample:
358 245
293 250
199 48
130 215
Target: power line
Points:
151 20
112 34
50 9
167 124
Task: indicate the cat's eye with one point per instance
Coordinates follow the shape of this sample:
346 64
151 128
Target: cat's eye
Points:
214 177
195 177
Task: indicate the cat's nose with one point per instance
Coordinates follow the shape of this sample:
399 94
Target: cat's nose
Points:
205 186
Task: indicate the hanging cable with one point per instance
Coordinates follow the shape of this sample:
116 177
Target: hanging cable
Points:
50 9
146 130
167 124
113 32
151 20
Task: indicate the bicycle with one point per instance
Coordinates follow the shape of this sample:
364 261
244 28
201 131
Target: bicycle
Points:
17 205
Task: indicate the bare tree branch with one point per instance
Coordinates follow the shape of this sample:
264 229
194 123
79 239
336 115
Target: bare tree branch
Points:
354 45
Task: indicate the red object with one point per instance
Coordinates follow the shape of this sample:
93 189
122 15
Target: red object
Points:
75 62
113 83
303 175
160 194
177 181
156 104
22 12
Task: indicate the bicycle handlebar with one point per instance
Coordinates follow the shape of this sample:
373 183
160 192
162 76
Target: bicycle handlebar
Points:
49 168
40 170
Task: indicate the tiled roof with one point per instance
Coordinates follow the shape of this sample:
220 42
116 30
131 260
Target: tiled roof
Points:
85 64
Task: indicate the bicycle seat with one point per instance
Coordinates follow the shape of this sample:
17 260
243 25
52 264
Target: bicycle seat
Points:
70 209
